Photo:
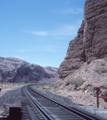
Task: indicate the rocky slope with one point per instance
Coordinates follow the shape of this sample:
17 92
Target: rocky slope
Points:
91 40
79 86
16 70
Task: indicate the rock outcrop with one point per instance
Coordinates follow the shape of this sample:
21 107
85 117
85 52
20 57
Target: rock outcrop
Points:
16 70
91 40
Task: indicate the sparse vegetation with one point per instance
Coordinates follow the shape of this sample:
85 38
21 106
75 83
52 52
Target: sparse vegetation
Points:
101 68
75 82
7 84
104 84
78 81
60 83
46 88
105 58
69 80
57 85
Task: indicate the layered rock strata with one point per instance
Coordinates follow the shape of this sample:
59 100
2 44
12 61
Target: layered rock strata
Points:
91 40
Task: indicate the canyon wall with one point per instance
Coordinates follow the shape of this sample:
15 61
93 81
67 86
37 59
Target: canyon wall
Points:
91 40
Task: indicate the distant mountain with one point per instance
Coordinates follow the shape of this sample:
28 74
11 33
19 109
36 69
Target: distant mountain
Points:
52 71
16 70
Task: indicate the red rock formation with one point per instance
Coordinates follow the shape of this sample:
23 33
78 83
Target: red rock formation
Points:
91 41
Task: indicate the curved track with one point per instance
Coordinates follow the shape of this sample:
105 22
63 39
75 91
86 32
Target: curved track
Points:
53 110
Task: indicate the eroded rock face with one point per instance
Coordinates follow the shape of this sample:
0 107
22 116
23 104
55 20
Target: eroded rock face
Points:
16 70
91 41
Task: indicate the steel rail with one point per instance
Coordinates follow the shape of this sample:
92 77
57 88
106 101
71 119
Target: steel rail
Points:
35 103
75 116
87 117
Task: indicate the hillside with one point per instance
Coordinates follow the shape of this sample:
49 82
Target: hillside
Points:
16 70
85 65
79 86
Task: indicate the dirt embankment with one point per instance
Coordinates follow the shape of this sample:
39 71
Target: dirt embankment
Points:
79 86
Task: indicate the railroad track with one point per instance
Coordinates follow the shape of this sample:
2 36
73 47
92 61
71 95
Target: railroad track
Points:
53 110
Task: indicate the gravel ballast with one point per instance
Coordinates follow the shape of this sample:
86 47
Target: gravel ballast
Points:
91 110
10 97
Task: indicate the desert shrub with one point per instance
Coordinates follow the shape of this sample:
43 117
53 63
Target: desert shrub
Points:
69 80
60 83
105 58
100 68
76 82
55 87
58 92
46 88
104 84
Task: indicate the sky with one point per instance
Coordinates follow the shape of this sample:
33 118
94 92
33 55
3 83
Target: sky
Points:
39 31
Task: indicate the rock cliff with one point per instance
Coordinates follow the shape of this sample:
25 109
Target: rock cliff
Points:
91 40
16 70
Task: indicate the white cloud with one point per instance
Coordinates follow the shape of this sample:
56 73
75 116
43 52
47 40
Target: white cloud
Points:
72 11
38 49
66 30
27 50
42 33
59 32
21 51
36 32
45 48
